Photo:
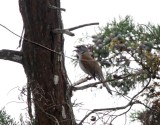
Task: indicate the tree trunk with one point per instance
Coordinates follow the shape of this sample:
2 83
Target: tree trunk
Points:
45 71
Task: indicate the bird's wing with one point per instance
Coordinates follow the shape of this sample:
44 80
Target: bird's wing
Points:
91 67
90 64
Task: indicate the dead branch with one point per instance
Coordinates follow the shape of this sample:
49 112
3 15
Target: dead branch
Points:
80 26
15 56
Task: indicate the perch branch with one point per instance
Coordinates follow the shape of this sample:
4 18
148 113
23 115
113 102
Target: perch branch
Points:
93 84
15 56
85 86
82 81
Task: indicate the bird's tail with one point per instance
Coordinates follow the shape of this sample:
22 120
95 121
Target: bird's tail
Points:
107 87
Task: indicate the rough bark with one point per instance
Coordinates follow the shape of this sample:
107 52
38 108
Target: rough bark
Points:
45 71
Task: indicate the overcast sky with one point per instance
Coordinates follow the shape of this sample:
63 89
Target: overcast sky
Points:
77 12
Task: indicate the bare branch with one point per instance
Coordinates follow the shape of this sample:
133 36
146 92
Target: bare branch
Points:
15 56
80 26
103 109
131 102
122 113
141 90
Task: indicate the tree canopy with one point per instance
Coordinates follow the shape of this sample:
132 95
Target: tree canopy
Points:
129 52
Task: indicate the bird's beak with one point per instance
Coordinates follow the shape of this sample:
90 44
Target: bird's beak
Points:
75 50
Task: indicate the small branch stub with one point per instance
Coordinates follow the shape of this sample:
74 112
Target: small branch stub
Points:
11 55
56 8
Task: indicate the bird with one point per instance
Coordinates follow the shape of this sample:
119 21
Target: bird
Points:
89 65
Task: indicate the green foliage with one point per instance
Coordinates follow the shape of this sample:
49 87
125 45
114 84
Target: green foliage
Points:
6 119
135 115
130 55
129 52
23 120
149 116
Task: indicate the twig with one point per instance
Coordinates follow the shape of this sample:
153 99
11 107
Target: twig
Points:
141 90
146 27
80 26
121 113
117 108
96 83
20 41
103 109
49 115
13 89
14 102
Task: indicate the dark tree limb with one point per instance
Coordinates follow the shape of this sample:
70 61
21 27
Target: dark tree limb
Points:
11 55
